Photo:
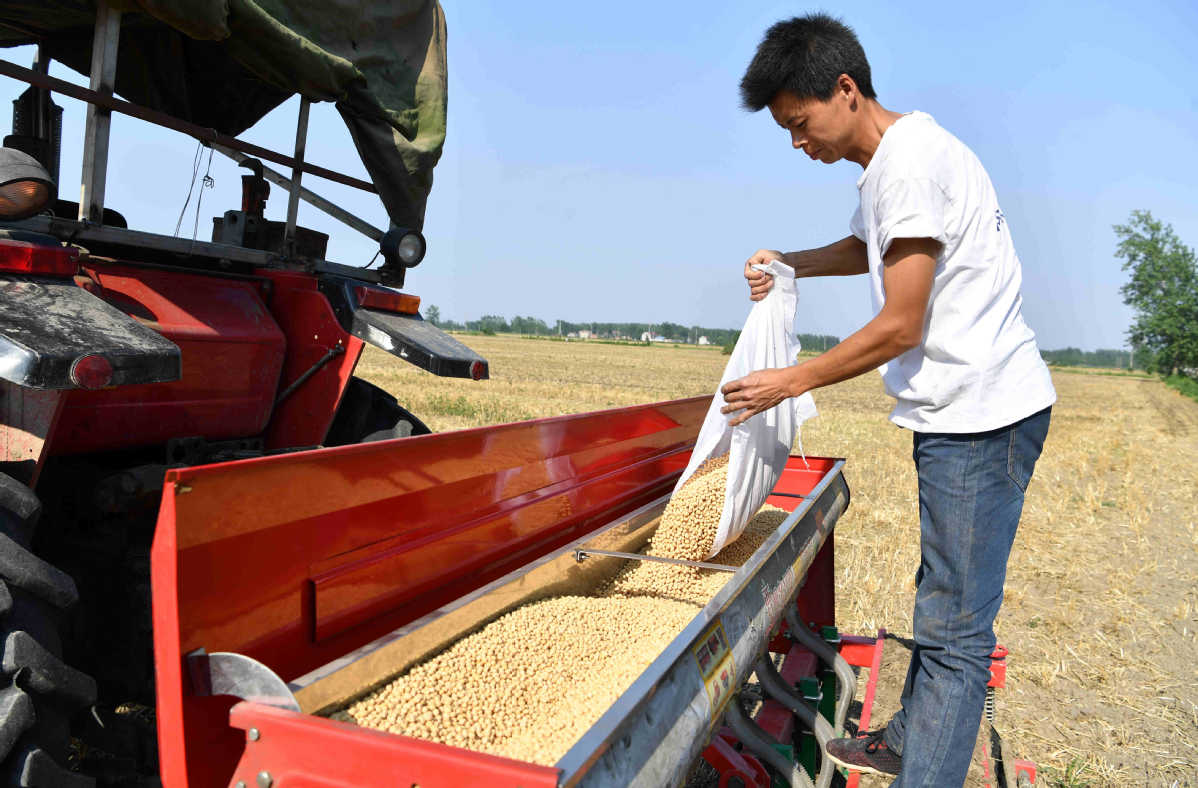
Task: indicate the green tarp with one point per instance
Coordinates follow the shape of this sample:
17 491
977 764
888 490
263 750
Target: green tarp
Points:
226 63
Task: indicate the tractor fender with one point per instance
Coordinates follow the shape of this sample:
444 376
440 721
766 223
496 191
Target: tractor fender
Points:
408 336
48 324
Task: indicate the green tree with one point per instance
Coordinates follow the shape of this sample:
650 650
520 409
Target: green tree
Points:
1163 291
433 314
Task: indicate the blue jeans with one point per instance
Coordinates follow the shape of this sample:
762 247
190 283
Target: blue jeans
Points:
971 490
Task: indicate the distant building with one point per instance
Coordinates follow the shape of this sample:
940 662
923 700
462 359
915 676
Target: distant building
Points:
584 334
703 341
646 336
572 335
659 338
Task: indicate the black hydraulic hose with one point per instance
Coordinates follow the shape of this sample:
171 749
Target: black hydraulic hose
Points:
844 672
760 744
776 687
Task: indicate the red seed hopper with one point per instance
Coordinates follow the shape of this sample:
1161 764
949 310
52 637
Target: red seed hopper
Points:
284 585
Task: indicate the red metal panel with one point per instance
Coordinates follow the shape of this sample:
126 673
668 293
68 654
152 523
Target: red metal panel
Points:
300 751
307 319
196 746
239 545
799 477
232 352
816 600
998 667
734 764
857 650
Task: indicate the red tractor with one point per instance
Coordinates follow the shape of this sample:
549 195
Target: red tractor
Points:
124 354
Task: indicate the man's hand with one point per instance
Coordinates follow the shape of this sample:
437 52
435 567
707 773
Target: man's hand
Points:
756 392
759 283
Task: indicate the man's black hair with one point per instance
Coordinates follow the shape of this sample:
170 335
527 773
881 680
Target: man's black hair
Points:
805 56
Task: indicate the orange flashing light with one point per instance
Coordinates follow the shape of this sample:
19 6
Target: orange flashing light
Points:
387 300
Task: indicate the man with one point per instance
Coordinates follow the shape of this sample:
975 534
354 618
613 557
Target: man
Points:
953 351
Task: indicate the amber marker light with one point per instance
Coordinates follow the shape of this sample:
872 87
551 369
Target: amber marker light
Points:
387 300
25 186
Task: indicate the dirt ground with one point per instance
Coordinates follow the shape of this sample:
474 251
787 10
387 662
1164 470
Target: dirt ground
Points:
1101 605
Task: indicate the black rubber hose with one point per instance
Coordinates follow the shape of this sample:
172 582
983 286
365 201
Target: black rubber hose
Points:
776 687
759 743
844 672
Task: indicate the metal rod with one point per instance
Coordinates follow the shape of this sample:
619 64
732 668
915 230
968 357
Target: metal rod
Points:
582 555
335 350
41 60
760 744
297 173
113 104
99 119
332 209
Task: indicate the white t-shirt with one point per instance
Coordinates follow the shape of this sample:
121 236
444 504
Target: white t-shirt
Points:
978 367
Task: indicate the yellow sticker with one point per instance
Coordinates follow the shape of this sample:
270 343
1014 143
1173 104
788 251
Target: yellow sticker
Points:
714 658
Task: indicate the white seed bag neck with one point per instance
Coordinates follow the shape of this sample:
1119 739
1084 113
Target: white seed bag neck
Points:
757 450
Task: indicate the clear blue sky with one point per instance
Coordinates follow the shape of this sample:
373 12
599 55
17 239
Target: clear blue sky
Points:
598 166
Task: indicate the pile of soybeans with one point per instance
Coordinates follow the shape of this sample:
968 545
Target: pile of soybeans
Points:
530 683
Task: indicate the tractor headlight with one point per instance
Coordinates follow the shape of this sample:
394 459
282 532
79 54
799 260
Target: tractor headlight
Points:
401 247
411 249
25 186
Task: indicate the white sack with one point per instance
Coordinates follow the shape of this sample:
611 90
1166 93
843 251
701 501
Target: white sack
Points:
757 449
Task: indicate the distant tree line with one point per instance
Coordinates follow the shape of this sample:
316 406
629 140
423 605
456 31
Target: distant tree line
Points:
635 332
1073 357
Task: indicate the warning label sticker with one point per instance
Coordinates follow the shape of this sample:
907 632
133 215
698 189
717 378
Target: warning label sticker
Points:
714 658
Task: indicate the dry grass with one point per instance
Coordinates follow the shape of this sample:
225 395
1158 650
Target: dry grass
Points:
1101 611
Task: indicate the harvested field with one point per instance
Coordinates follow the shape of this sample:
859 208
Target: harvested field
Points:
1101 611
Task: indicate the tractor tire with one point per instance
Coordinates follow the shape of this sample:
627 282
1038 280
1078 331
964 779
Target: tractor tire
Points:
367 413
39 693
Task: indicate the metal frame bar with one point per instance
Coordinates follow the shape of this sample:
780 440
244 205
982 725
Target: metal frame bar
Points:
277 178
99 118
207 135
581 555
297 173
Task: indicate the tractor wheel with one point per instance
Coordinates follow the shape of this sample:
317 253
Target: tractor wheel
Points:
38 692
367 413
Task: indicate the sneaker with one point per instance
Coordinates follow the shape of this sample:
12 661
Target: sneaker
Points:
866 753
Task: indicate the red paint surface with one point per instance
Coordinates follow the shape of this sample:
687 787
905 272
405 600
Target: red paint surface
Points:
231 348
732 763
306 319
300 751
998 667
857 650
276 557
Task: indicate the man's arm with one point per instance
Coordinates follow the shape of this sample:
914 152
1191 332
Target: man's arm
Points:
846 257
909 265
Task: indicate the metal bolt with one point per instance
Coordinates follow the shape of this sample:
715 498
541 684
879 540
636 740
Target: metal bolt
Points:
240 784
254 734
265 780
